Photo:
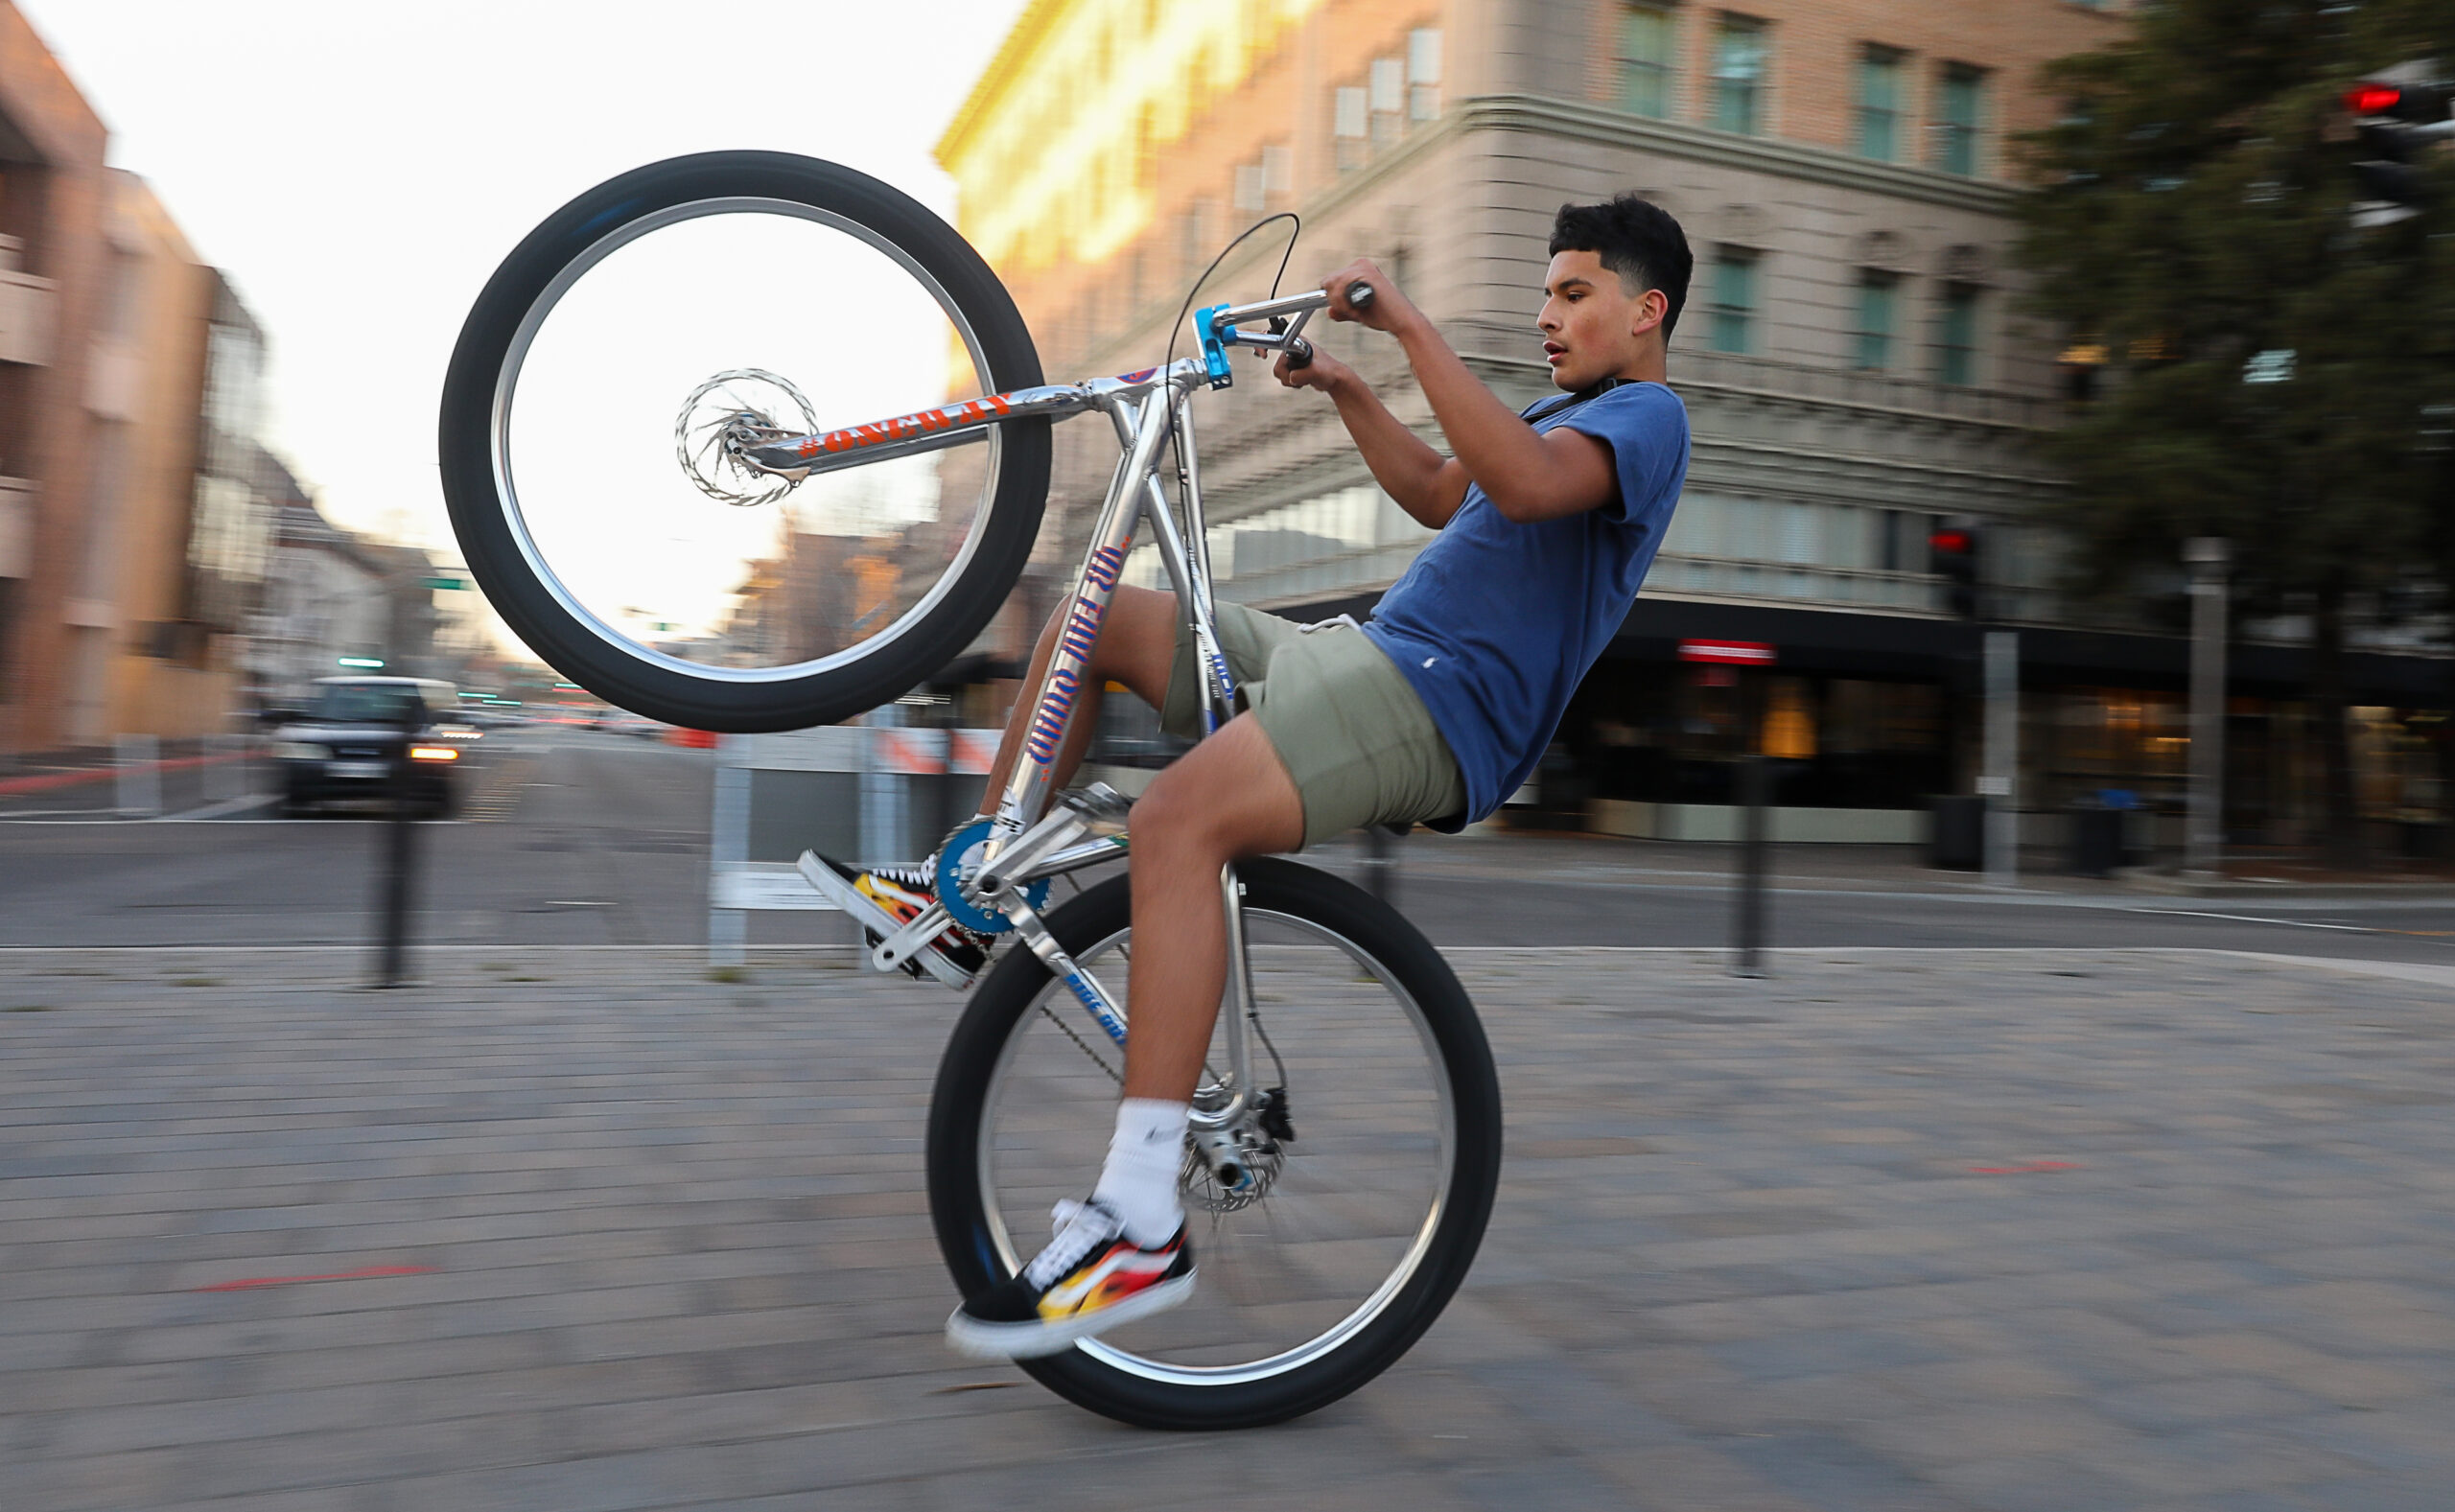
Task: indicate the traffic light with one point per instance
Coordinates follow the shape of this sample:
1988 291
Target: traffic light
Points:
1951 554
2396 113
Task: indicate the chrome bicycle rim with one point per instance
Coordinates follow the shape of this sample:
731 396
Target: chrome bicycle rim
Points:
1352 1217
592 616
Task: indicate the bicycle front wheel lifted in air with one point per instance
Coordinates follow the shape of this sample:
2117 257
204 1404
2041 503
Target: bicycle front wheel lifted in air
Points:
1351 1236
603 375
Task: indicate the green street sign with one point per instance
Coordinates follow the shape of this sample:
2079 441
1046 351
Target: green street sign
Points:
447 582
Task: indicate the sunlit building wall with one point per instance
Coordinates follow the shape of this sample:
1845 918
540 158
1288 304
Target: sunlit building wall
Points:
135 668
132 540
54 195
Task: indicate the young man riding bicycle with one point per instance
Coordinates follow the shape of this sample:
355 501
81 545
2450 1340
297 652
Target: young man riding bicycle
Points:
1434 710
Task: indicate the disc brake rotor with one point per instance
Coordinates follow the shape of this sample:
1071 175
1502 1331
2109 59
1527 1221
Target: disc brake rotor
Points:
737 408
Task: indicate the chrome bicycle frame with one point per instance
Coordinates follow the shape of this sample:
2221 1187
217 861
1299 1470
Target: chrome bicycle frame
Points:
1148 408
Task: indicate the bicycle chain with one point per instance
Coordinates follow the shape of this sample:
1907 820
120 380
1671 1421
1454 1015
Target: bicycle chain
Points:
1068 1030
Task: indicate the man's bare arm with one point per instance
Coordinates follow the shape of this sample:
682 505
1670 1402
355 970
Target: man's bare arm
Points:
1424 483
1528 476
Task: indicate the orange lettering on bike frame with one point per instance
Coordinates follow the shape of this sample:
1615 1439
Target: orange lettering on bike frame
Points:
904 428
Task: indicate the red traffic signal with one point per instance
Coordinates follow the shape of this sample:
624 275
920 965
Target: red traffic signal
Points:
2373 99
1951 554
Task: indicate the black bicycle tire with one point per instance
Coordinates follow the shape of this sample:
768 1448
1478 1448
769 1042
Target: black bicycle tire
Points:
959 1213
478 511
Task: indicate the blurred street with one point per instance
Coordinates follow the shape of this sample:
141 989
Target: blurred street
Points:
572 836
2159 1231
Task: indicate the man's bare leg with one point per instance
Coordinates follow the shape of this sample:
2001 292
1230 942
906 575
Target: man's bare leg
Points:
1227 799
1138 647
1125 1254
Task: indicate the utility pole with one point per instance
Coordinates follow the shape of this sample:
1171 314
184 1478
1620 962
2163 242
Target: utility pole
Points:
2204 833
2000 783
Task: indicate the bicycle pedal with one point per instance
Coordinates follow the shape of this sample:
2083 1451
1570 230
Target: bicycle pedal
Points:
1100 806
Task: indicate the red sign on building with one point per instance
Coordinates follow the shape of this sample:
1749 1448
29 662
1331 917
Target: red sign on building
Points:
1728 653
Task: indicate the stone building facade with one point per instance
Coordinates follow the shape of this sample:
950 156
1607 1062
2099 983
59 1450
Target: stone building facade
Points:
1854 357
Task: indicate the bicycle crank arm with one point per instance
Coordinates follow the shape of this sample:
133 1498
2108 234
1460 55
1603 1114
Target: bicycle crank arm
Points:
904 944
879 922
1011 867
1075 858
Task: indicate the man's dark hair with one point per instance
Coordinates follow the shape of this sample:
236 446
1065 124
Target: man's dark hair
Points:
1637 240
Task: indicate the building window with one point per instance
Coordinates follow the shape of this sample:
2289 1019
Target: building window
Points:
1423 73
1734 305
1738 74
1879 298
1959 119
1956 337
1278 173
1648 43
1273 177
1389 98
1879 103
1248 188
1348 127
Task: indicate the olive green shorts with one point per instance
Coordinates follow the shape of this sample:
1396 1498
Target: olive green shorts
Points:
1352 732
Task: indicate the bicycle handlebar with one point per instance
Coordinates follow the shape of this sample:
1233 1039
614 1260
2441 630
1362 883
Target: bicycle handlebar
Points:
1358 293
1300 352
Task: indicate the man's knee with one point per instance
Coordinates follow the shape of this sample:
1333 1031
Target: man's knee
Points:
1169 815
1229 797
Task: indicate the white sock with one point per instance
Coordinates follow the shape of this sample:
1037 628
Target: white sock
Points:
1138 1183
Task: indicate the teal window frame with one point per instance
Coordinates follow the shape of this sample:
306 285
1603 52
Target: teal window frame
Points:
1878 318
1733 311
1878 84
1743 58
1961 120
1957 336
1648 58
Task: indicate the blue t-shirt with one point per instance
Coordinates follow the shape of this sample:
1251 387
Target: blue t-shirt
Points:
1496 622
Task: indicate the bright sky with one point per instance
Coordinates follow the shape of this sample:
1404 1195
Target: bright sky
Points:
360 169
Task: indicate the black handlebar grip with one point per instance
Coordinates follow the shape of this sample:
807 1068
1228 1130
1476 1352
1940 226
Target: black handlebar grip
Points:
1358 295
1299 354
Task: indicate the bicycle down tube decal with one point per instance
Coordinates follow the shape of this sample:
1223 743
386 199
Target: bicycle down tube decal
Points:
1081 634
904 428
1100 1009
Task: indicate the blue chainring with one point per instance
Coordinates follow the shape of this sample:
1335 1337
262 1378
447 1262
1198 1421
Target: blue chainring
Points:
961 909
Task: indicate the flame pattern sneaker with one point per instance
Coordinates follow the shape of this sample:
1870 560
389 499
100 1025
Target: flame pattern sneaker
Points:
1088 1280
905 892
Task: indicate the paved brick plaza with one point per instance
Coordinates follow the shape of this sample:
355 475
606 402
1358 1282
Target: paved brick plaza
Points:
1898 1230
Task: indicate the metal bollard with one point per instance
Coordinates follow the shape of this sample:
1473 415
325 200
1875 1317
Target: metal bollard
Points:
1381 863
1749 926
400 858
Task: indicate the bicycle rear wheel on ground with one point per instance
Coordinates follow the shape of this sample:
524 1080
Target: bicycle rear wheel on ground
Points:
1360 1238
597 370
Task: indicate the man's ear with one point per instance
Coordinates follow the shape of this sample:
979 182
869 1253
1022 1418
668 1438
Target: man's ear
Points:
1647 312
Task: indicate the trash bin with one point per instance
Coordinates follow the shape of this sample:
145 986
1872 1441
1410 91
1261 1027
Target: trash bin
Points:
2097 841
1959 840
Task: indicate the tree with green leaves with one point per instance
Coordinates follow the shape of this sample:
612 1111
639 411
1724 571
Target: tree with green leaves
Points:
2271 374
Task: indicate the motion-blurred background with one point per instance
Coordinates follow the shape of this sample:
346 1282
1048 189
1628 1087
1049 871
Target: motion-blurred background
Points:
1995 310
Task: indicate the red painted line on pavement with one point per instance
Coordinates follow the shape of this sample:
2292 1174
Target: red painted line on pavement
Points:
52 779
2022 1171
338 1275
